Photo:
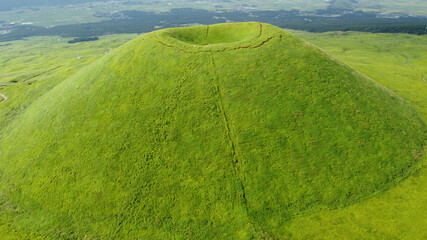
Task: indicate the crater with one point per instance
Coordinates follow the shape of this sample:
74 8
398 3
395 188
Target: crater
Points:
214 36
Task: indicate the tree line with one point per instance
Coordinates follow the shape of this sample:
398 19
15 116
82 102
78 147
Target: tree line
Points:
141 22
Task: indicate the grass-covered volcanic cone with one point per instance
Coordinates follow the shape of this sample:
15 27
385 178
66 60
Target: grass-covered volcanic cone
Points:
223 131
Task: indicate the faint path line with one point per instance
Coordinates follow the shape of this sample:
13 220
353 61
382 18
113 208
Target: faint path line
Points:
411 67
207 32
221 105
4 98
38 74
233 145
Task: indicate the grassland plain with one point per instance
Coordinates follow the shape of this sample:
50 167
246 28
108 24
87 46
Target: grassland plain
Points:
233 137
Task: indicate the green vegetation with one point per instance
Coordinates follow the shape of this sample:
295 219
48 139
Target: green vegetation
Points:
83 39
397 61
200 133
142 22
48 16
30 68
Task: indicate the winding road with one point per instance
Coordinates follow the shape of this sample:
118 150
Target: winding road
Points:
4 98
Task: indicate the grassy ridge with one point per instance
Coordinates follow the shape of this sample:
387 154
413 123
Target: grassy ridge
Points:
205 147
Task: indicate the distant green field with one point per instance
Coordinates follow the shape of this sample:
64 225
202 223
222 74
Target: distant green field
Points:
82 13
32 67
415 7
48 16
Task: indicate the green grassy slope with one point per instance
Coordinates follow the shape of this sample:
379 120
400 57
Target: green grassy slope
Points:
394 60
167 138
397 61
29 68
